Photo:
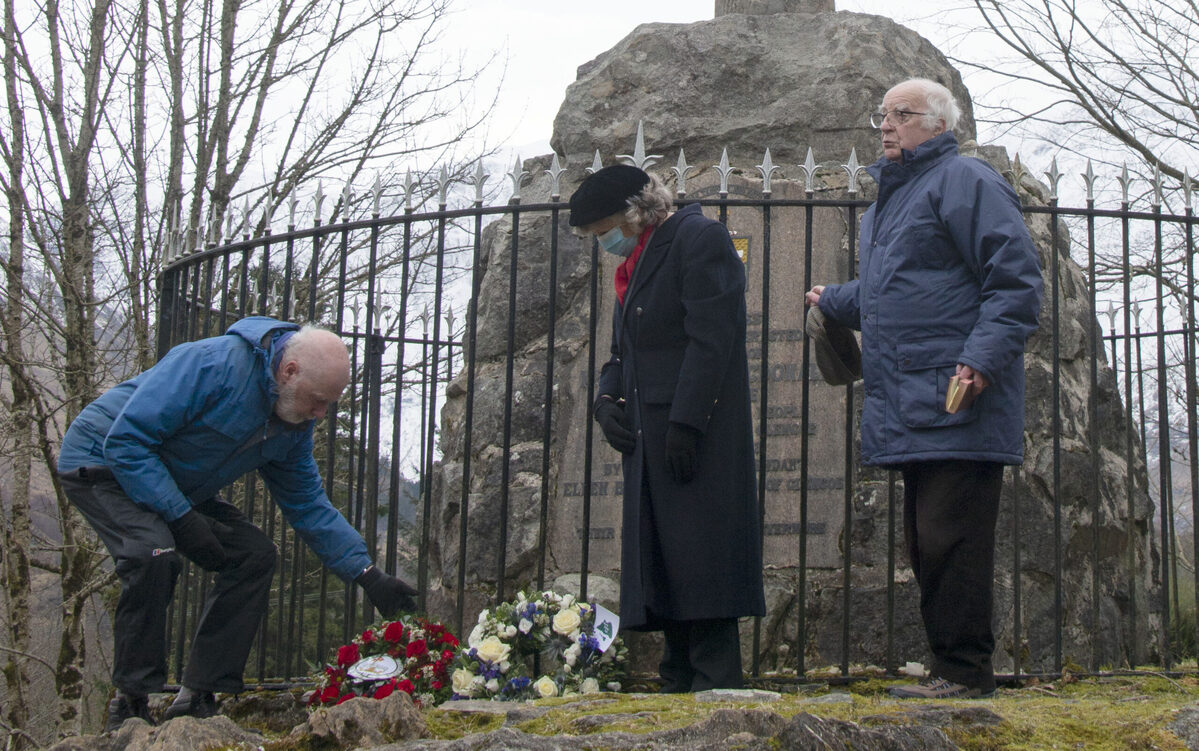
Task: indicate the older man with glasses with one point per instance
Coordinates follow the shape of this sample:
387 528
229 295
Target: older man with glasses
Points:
948 292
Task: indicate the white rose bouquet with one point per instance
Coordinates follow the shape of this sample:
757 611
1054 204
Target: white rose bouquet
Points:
555 630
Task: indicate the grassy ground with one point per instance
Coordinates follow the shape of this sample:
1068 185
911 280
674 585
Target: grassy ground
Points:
1119 712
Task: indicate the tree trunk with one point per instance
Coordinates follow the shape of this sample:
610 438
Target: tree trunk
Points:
78 288
139 280
15 526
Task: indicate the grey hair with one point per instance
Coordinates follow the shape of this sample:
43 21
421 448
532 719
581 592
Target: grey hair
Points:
652 205
938 103
302 335
306 343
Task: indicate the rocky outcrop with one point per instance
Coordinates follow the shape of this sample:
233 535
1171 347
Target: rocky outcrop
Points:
784 82
749 729
181 734
758 720
357 723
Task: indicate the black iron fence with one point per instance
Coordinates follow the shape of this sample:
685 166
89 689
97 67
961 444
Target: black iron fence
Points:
1096 567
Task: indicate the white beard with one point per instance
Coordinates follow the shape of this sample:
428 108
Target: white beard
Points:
285 405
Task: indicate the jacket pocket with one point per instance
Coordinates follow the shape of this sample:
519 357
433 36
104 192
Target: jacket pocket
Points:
925 368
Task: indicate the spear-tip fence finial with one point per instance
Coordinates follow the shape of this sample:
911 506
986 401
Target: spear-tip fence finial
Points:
1125 182
478 180
444 180
319 200
681 170
1111 312
854 169
409 189
767 169
1017 172
555 172
809 172
724 170
597 164
1054 176
517 175
638 158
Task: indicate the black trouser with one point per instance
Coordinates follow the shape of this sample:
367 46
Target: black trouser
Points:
147 565
700 655
949 512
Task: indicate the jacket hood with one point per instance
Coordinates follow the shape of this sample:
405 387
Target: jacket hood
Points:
255 330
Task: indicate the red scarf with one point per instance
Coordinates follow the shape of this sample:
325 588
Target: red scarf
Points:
624 272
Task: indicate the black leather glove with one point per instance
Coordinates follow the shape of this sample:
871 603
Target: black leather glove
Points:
611 419
682 447
194 538
388 594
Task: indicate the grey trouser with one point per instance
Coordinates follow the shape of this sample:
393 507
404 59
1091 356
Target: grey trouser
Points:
147 565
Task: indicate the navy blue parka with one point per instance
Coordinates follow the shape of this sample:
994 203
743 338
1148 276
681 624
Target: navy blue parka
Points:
948 274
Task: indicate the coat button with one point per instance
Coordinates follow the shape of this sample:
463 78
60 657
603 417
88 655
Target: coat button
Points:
638 310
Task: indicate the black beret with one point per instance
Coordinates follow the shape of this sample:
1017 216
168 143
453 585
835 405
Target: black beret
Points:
605 192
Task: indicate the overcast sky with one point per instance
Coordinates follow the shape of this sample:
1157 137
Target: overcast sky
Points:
545 42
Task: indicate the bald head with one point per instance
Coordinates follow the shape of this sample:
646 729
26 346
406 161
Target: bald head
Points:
313 371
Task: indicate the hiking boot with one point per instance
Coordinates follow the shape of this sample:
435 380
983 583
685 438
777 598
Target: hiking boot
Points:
124 707
936 688
199 705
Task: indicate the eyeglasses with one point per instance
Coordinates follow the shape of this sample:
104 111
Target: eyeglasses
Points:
899 117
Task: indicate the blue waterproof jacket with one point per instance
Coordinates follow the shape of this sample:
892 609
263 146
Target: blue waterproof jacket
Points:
947 274
201 418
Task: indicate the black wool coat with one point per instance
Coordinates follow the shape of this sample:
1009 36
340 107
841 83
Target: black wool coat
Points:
689 551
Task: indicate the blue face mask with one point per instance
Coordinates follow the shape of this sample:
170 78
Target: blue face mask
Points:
616 243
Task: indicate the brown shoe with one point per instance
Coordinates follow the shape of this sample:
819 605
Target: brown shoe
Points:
936 688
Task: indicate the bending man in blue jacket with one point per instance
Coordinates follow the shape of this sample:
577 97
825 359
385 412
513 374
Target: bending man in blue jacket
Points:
144 463
948 284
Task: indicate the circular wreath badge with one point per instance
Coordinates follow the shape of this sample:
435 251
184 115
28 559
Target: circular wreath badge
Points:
411 655
555 631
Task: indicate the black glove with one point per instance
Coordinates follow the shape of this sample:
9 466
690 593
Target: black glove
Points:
194 538
682 446
611 419
388 594
219 512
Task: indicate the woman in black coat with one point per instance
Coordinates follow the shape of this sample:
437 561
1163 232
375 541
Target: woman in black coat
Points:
674 400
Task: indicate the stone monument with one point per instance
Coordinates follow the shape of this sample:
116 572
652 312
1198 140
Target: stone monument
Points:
785 75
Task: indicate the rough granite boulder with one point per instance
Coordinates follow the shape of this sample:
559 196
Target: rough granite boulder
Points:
785 81
363 722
